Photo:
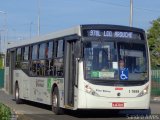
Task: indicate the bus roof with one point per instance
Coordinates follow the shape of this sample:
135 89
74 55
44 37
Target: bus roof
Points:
59 34
72 31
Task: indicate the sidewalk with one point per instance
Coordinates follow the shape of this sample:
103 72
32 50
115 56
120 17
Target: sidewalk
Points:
21 110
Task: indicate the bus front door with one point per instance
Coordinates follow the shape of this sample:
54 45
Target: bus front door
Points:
70 73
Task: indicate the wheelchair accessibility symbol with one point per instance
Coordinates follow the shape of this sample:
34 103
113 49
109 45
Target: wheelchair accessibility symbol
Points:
124 74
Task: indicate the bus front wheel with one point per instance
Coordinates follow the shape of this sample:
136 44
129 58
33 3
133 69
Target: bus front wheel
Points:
18 100
56 102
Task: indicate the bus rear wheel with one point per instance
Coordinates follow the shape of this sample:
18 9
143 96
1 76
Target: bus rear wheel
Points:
18 100
56 102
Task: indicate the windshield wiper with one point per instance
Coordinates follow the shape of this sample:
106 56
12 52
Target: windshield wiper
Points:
140 72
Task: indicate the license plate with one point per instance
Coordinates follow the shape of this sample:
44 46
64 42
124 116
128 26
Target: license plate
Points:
117 104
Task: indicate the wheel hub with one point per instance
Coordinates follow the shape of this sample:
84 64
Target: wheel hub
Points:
55 100
17 94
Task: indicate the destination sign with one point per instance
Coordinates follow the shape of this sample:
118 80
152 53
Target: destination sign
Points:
111 34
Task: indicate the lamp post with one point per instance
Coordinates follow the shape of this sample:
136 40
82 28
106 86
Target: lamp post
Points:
131 13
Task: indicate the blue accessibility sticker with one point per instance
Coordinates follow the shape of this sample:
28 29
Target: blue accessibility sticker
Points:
124 74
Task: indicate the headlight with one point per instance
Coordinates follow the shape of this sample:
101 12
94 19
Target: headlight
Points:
144 91
89 90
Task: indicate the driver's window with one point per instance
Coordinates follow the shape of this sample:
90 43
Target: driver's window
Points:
134 57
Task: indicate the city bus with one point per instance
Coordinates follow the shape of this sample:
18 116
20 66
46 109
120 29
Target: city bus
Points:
96 66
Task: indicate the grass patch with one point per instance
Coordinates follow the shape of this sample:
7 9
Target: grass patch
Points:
5 112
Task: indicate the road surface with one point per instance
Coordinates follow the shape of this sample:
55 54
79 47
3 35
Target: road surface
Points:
35 111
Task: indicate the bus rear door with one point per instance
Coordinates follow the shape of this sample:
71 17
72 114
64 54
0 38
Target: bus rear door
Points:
11 69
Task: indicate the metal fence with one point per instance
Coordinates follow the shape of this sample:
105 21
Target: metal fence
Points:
155 91
1 78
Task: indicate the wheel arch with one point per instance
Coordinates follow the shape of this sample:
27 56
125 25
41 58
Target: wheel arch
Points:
16 83
53 87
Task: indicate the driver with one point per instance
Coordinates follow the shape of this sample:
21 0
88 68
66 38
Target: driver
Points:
123 70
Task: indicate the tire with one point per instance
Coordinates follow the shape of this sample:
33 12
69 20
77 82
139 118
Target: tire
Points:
18 100
56 102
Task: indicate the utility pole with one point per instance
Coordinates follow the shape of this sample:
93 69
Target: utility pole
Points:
38 17
4 29
131 13
30 30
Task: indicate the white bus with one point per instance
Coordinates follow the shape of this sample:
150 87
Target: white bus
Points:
85 67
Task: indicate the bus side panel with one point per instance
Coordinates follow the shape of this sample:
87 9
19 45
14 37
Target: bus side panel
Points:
32 88
38 89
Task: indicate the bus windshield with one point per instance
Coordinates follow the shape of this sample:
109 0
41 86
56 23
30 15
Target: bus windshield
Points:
115 61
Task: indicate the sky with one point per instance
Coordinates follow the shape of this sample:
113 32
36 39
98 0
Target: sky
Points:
55 15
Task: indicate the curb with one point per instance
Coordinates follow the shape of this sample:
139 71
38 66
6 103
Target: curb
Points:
23 117
155 99
13 115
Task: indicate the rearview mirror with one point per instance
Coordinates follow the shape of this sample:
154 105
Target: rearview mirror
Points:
78 49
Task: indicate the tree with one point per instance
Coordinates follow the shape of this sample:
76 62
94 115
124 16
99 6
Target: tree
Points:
154 43
1 61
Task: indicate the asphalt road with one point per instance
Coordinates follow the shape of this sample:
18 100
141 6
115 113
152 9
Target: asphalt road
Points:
35 111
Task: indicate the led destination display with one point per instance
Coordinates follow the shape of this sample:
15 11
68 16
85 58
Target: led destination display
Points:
112 34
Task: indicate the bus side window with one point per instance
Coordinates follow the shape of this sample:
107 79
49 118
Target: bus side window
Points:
18 57
33 68
59 49
34 52
41 62
41 68
34 63
25 59
26 53
42 51
58 67
49 59
49 67
58 61
8 58
50 50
